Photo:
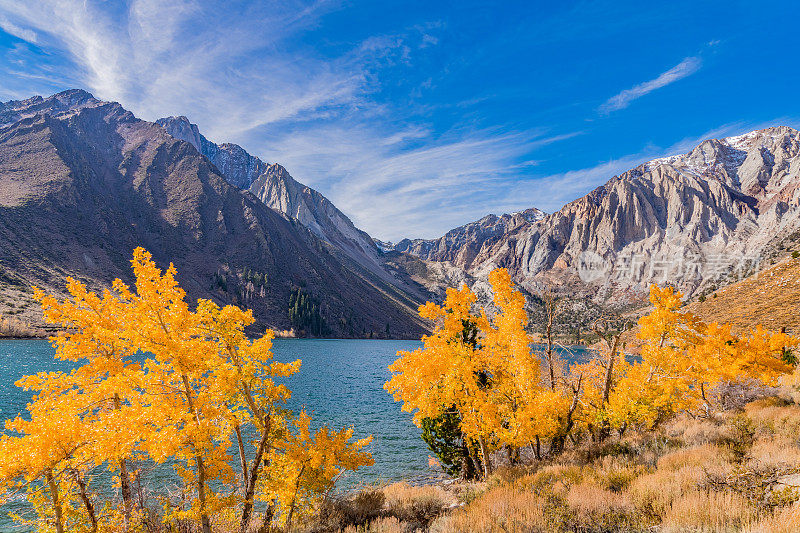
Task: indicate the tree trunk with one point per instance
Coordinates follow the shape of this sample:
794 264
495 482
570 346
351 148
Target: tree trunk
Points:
294 499
487 467
242 458
124 480
56 502
201 468
468 470
558 441
550 363
201 494
87 502
605 426
252 478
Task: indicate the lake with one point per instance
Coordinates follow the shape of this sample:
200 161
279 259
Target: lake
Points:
340 383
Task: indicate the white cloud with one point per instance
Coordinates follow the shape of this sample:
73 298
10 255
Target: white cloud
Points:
238 75
688 66
213 63
21 33
409 183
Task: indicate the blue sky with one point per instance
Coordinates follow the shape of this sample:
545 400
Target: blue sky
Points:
415 117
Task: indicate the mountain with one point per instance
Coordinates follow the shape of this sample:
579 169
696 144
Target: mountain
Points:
690 220
461 245
83 182
273 185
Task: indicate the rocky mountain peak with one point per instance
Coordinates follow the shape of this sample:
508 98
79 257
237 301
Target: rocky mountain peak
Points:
181 128
58 105
274 186
686 219
83 182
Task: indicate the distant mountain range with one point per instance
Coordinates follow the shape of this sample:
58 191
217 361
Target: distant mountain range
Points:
690 220
82 182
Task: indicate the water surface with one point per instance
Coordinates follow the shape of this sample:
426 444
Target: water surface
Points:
340 383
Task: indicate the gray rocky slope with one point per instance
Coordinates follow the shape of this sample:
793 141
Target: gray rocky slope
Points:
687 220
83 182
273 185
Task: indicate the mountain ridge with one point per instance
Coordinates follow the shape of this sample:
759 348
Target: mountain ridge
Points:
273 185
714 209
83 182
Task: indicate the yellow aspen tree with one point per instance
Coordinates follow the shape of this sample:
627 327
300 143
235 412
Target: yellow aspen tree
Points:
49 448
186 418
683 359
247 383
107 379
198 381
495 384
448 371
306 465
526 407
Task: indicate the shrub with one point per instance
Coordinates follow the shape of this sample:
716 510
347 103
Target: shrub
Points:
499 509
708 511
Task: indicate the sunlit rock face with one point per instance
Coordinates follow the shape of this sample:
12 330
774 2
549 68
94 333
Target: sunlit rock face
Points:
686 220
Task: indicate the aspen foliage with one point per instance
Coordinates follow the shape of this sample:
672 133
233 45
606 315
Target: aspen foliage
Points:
157 381
503 398
494 382
684 359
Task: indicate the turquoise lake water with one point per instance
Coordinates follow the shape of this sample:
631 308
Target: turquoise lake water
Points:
340 383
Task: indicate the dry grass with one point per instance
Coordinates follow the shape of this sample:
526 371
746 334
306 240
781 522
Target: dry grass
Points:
785 520
13 327
708 511
417 504
506 509
381 525
593 503
698 475
775 454
696 431
773 416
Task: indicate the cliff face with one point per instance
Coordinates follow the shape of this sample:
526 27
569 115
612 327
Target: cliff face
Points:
461 245
83 182
274 186
687 220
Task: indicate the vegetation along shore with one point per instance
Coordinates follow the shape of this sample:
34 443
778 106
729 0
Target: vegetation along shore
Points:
700 431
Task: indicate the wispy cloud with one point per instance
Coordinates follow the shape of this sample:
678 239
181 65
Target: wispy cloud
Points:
237 74
159 58
20 33
685 68
411 182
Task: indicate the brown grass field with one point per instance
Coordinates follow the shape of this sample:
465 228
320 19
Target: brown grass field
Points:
770 298
734 471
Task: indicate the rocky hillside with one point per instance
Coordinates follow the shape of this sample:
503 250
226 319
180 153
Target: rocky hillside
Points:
769 297
461 245
274 186
83 182
687 219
